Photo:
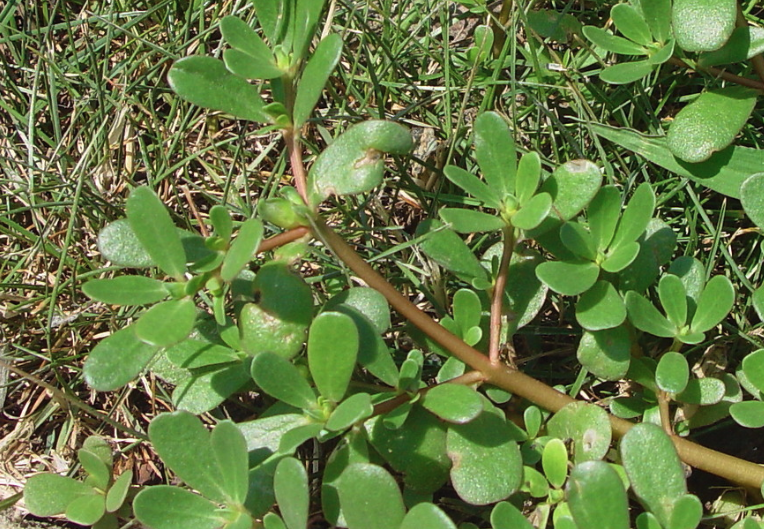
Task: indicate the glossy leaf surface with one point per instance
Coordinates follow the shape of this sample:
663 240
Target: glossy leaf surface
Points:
569 278
290 484
672 373
453 403
332 353
495 152
596 496
587 425
280 379
370 498
606 353
427 515
601 307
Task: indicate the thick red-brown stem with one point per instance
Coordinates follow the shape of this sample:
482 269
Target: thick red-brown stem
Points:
744 81
282 238
497 309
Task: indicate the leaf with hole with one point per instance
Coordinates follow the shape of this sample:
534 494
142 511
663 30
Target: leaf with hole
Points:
710 123
206 82
280 379
587 425
117 359
703 25
332 353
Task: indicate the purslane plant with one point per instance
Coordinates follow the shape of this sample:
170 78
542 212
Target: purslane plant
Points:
214 328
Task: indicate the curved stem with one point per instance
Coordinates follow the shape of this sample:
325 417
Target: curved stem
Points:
497 310
282 238
744 81
734 469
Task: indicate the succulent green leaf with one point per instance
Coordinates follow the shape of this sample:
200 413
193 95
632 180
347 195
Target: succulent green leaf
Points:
609 42
620 257
470 221
370 498
627 72
206 389
271 16
606 353
467 309
117 360
753 367
118 243
686 513
251 57
630 23
192 354
86 510
596 496
206 82
332 353
714 304
578 240
166 323
552 24
230 450
568 278
350 411
273 521
477 449
752 197
418 450
98 470
353 163
554 461
290 484
672 373
601 307
603 212
495 152
117 493
673 299
528 177
662 55
427 515
744 43
293 439
572 186
757 299
453 403
749 413
473 185
657 14
654 469
367 301
242 250
447 249
155 230
221 222
125 290
483 36
530 215
702 391
647 520
635 217
587 425
49 494
703 25
167 507
646 317
710 123
506 516
313 79
352 449
280 379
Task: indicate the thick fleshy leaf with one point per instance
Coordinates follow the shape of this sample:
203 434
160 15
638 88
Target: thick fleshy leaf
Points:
206 389
636 216
672 373
271 16
587 425
596 496
554 461
367 301
166 323
264 435
692 274
373 353
332 353
530 215
290 484
370 498
620 257
495 152
353 163
749 413
744 43
467 310
627 72
427 515
654 469
506 516
702 391
609 42
206 82
453 403
447 249
630 23
568 278
254 59
647 318
118 491
663 54
350 411
601 307
280 379
686 513
606 353
86 510
192 353
703 25
242 250
262 330
572 186
657 14
714 304
710 123
470 221
117 360
352 449
528 177
753 367
166 507
473 185
418 450
477 449
118 243
673 299
752 198
126 290
230 450
99 472
757 299
603 212
155 230
313 79
49 494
